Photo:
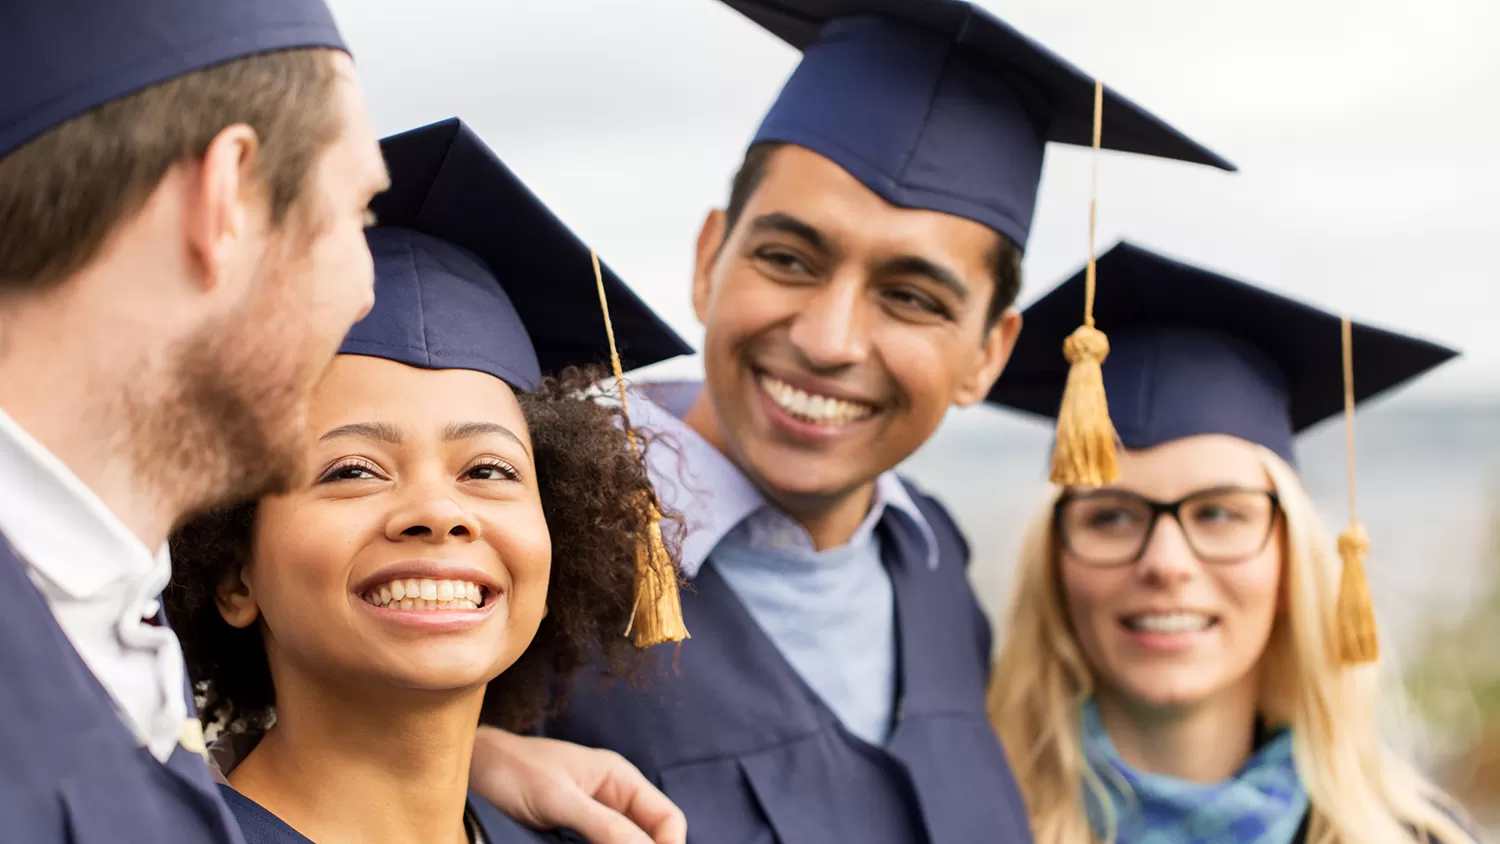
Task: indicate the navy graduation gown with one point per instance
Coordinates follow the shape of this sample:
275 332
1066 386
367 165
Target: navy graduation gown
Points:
262 827
72 773
751 754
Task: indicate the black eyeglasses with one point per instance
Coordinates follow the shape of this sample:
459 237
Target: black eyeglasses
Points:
1114 527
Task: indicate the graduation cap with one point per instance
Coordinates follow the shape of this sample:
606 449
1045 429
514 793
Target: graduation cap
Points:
939 105
473 271
62 58
1195 352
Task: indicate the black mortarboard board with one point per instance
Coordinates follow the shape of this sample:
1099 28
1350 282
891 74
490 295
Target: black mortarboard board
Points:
62 58
939 105
1195 352
473 271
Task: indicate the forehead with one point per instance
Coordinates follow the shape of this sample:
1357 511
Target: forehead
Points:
805 185
1186 465
357 388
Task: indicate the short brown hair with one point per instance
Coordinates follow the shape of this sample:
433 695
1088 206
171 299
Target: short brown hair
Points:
63 192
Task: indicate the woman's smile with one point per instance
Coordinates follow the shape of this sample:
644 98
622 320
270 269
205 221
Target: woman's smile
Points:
446 598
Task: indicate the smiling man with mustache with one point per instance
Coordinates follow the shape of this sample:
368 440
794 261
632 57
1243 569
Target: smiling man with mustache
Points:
859 283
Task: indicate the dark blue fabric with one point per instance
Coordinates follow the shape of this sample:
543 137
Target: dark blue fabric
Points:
1195 352
73 772
939 105
740 742
62 58
262 827
473 271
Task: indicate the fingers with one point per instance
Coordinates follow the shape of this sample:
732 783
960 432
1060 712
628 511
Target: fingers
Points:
549 784
599 824
625 790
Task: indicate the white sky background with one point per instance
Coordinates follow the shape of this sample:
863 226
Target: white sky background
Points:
1367 133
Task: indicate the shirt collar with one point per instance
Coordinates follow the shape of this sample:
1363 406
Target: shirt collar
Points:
61 529
714 497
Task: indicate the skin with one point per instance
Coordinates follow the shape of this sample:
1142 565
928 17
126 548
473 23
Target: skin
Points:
375 720
207 327
1188 712
827 287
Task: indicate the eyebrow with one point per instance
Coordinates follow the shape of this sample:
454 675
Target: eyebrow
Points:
390 434
379 431
787 224
942 276
470 430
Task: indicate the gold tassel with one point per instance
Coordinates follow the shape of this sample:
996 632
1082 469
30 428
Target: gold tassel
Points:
656 617
1356 611
1085 453
1358 641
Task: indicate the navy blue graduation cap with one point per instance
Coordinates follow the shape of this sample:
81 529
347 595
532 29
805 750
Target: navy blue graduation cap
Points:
1194 352
473 271
939 105
62 58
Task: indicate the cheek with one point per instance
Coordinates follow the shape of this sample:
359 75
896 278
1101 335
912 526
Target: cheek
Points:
336 276
302 562
521 540
1089 595
744 305
925 362
1254 589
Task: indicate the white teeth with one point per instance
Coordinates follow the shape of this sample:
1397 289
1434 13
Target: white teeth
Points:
1177 622
424 594
824 410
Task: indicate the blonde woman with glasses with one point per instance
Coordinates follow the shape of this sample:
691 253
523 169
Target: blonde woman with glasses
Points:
1172 669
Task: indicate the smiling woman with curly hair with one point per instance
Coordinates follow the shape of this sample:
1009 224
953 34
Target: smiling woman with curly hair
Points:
465 538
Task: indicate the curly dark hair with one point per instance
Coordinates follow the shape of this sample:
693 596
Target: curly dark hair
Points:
589 479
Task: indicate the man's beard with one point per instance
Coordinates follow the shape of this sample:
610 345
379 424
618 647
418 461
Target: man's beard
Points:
231 425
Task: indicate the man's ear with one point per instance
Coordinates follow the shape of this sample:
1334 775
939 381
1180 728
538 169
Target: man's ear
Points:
224 204
710 243
990 360
235 598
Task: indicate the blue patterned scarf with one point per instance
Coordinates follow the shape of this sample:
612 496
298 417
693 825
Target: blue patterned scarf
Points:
1263 803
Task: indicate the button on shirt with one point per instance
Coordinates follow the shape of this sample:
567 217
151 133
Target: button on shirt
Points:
101 583
830 613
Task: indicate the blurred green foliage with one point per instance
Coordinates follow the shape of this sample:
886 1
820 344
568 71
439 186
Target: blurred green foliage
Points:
1455 685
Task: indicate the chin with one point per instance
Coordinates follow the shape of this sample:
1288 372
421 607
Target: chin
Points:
444 678
446 669
1178 689
806 479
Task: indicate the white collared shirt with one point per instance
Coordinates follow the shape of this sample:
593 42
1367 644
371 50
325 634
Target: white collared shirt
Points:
101 583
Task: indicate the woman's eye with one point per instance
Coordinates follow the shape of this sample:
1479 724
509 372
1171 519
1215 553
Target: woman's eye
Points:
1215 514
1107 519
495 470
353 470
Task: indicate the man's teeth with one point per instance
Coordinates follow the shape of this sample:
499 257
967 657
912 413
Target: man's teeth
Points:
824 410
1177 622
426 594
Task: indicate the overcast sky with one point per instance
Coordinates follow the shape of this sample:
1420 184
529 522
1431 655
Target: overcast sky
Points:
1365 131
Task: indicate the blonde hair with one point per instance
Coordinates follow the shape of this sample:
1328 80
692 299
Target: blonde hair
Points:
1360 791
